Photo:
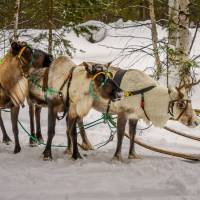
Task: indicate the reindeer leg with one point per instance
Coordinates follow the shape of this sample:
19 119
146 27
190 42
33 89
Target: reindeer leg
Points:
69 142
14 118
132 134
121 123
32 142
86 145
72 128
52 113
38 124
6 138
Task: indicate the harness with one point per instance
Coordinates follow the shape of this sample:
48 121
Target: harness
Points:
45 82
108 75
19 56
171 106
117 81
66 101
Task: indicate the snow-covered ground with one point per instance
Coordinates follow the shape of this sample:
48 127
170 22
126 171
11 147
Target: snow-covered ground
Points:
155 176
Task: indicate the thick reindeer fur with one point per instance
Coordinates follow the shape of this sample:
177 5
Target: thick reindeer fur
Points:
80 99
36 94
59 72
12 81
156 100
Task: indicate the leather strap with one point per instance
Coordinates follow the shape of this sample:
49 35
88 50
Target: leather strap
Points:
118 77
45 80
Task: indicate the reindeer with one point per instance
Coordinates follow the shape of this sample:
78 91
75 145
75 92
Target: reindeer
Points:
39 59
14 85
69 84
143 98
137 86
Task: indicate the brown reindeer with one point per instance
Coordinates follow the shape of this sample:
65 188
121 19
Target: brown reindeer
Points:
13 84
39 59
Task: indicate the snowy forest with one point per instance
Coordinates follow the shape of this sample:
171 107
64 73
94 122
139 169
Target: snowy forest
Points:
99 99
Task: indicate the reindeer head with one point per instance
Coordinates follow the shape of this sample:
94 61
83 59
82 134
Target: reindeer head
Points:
102 80
181 108
23 52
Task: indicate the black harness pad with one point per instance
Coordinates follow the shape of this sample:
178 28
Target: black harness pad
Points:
118 77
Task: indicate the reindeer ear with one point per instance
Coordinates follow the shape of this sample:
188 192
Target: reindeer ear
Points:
108 64
88 67
14 45
14 48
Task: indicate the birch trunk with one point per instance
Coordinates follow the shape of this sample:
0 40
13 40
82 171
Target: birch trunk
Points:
16 19
50 21
179 42
155 39
183 44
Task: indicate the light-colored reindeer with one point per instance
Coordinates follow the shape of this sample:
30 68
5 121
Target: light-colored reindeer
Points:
144 99
74 85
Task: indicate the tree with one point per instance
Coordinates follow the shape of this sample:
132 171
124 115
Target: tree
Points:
50 22
16 19
155 39
179 42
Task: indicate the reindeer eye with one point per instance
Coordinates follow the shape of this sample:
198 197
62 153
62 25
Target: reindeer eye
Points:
181 105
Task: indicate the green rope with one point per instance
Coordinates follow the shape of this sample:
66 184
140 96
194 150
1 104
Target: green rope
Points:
35 139
49 91
106 118
91 90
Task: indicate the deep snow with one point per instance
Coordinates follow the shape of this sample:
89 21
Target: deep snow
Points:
26 176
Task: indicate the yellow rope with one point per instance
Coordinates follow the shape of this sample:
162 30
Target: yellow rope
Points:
21 52
95 76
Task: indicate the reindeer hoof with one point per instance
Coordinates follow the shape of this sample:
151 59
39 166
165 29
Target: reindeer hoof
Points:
76 156
7 140
134 157
17 149
117 158
32 143
68 151
86 146
47 156
40 139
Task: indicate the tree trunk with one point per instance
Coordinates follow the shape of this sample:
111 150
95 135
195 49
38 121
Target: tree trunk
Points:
155 39
178 48
173 22
50 25
16 19
183 44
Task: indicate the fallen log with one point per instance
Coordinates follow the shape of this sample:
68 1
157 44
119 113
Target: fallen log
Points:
192 157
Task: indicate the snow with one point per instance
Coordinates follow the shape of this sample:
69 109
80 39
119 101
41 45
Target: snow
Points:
155 176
